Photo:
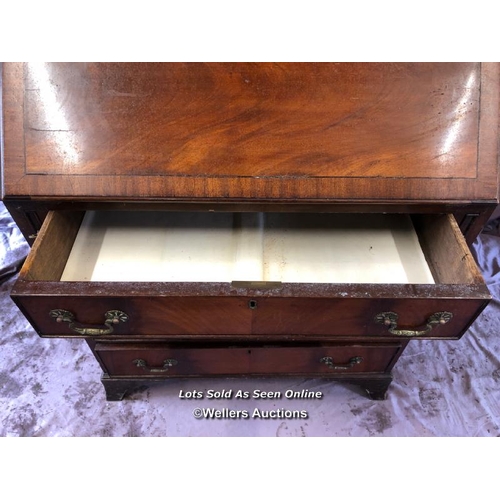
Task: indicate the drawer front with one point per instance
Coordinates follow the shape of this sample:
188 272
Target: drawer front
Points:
252 316
260 310
150 360
155 316
374 317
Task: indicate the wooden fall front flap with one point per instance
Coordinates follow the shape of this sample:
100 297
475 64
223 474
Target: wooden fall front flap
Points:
323 132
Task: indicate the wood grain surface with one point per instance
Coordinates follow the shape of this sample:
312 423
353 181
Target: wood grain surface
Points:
118 359
251 131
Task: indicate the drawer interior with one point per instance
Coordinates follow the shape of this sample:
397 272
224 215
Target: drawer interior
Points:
116 246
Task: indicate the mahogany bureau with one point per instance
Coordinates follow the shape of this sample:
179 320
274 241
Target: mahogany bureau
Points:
240 219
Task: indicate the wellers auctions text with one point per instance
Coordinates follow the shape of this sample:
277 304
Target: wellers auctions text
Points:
226 413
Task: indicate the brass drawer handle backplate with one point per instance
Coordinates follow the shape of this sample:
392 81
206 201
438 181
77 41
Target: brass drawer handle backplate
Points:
390 319
111 318
168 363
328 361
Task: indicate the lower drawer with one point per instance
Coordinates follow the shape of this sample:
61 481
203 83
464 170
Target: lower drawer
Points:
167 360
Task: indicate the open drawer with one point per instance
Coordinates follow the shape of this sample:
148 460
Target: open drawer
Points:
283 276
